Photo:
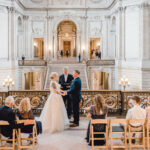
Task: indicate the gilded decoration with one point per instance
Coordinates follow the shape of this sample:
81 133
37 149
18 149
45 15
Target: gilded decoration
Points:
115 100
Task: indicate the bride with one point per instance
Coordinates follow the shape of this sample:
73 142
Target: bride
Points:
54 116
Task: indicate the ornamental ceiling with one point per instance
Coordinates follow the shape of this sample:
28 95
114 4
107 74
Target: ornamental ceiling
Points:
66 3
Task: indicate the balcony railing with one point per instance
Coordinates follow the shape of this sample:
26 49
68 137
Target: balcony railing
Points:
96 62
32 63
115 100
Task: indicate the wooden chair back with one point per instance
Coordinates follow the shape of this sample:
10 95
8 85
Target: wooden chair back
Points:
118 126
136 126
11 147
99 121
33 139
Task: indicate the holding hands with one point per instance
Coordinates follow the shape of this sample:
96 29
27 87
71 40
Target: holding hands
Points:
63 93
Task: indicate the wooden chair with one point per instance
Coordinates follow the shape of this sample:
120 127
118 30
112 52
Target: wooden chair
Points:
92 133
134 130
121 129
33 139
4 123
148 133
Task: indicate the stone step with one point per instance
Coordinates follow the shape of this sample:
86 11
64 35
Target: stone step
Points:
56 67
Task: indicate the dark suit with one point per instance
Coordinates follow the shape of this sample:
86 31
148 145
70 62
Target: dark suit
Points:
67 53
7 114
64 85
75 94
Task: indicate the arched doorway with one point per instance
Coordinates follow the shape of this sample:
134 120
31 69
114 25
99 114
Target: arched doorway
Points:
66 39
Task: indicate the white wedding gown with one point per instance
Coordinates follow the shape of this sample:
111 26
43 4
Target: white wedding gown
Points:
54 116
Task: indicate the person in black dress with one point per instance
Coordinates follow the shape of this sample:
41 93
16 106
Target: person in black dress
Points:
61 53
23 59
97 111
79 57
65 81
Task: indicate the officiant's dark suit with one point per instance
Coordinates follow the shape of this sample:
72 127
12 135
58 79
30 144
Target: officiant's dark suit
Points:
65 82
75 94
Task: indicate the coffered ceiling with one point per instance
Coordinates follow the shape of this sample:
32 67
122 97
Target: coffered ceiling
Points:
66 3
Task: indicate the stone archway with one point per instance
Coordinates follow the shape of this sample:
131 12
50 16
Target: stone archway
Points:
66 38
56 50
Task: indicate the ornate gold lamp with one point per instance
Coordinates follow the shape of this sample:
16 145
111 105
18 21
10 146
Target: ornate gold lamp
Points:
124 82
8 82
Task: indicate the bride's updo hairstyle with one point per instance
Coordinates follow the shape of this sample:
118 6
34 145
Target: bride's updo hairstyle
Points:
53 75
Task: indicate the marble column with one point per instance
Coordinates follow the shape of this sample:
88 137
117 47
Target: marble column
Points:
50 37
145 26
11 32
122 10
78 43
26 43
55 46
83 37
46 49
105 52
120 33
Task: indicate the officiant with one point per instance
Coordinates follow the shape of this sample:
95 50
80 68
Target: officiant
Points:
65 81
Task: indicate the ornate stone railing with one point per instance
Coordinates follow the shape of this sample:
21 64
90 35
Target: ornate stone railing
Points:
115 100
112 99
96 62
126 96
37 98
3 95
32 63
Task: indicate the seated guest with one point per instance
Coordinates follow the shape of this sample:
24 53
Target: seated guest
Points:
7 114
25 113
97 111
136 112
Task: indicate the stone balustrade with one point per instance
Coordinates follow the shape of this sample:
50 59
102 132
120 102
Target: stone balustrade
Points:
32 63
97 62
115 100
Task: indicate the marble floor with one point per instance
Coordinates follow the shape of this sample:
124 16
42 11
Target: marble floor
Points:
70 139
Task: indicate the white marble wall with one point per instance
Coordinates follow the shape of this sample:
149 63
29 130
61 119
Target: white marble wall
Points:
124 29
4 53
132 46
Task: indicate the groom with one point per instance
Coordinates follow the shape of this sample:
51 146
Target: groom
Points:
75 94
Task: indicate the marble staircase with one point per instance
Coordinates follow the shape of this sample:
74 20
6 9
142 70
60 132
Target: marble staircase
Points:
72 65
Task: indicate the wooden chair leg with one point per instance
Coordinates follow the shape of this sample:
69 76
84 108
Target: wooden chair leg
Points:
19 139
143 137
36 136
111 138
33 143
129 139
125 138
107 137
92 139
147 138
13 142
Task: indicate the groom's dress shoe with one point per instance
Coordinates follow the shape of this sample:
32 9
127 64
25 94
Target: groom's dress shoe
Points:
74 125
